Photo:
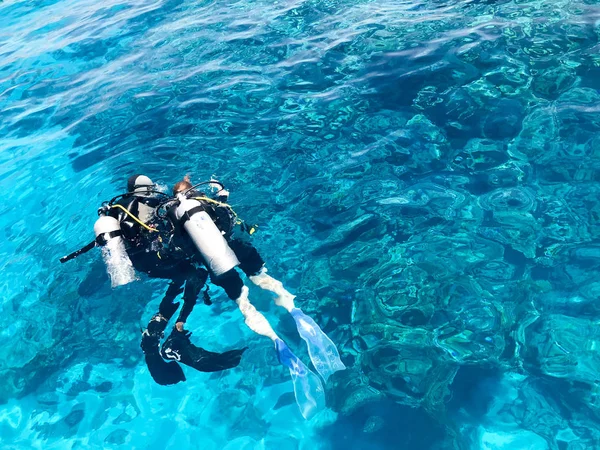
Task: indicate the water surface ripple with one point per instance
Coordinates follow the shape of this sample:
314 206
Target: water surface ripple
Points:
425 178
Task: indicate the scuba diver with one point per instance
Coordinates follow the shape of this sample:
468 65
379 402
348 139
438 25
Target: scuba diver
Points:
200 229
132 237
209 224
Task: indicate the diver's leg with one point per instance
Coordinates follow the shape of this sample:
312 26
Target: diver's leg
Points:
162 268
168 306
195 281
162 372
323 352
283 298
308 389
253 265
235 289
166 310
178 347
193 278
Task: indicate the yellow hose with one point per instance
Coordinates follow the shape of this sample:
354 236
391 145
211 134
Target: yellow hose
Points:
210 200
149 228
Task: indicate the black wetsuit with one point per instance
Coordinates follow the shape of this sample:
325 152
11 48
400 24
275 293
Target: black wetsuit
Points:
179 265
151 253
250 260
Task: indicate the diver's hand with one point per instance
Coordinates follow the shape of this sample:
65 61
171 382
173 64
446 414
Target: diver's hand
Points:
179 326
215 184
222 193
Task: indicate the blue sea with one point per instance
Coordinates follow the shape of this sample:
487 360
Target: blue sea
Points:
425 177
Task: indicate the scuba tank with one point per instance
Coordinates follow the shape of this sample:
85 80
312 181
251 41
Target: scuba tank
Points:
109 239
145 212
205 235
112 231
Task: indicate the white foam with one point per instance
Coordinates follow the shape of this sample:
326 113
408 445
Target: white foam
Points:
118 265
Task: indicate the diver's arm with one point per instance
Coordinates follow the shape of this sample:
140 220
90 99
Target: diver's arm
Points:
222 195
117 212
186 310
175 230
172 218
129 227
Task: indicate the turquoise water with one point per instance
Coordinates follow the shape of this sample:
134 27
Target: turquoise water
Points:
425 178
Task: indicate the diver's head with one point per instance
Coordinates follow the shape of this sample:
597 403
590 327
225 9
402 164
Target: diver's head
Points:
139 183
182 186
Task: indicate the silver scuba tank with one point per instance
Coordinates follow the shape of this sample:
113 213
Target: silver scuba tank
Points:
140 185
118 265
207 238
145 213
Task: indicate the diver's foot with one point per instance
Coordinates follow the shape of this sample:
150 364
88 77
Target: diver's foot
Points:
322 351
288 359
285 300
157 325
149 342
162 372
308 389
171 349
178 347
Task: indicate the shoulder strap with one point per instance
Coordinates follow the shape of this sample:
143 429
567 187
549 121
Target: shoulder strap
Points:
189 213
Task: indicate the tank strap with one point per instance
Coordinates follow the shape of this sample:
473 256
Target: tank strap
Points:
189 213
103 238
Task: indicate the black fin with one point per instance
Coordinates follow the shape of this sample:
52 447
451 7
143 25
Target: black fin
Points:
163 372
179 348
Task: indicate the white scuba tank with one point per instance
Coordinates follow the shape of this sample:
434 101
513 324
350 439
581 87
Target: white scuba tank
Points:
118 265
144 184
145 213
207 238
